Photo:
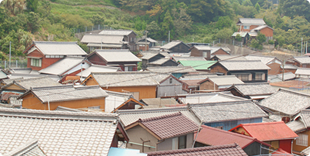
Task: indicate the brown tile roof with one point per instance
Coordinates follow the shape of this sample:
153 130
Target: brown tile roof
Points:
231 150
290 84
167 126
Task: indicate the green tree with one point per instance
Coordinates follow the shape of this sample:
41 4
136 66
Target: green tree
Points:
257 7
223 22
167 24
261 38
294 8
224 33
247 3
32 5
97 19
238 38
154 30
33 22
182 21
256 44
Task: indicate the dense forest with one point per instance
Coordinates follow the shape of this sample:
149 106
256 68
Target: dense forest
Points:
22 21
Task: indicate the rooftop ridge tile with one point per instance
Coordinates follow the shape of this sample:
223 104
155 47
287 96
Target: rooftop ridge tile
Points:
160 117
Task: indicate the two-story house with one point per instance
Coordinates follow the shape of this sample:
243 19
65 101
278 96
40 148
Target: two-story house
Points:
255 26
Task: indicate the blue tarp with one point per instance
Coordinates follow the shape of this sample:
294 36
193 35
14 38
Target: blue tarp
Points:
125 152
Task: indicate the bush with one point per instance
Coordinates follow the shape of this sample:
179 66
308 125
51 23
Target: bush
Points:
270 42
238 38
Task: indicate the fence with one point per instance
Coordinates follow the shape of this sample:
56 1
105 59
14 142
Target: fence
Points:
91 28
14 64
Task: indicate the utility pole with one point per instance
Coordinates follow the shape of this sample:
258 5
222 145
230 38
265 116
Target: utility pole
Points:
143 144
10 56
306 47
169 37
145 40
301 47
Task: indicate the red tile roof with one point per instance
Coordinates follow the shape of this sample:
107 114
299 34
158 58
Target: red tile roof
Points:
168 126
214 136
290 84
223 150
268 131
280 151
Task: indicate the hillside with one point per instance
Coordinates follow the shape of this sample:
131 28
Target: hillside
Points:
187 20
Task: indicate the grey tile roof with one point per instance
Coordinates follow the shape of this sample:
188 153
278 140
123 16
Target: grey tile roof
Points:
104 45
116 32
261 27
233 65
230 57
58 132
302 59
203 47
67 93
30 148
305 115
160 61
8 81
278 77
21 70
170 45
117 55
303 71
227 111
287 102
249 89
172 69
61 66
115 99
252 21
97 38
97 68
264 59
225 80
209 98
215 49
296 125
59 48
117 79
129 116
36 82
149 55
158 102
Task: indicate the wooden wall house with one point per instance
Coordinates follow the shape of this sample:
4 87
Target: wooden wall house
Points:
175 47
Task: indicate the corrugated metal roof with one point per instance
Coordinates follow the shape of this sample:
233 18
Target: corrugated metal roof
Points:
252 21
104 45
89 38
161 61
177 58
231 150
73 133
268 131
67 93
129 116
158 102
287 102
123 55
149 55
59 48
233 65
116 32
198 65
62 65
227 111
97 68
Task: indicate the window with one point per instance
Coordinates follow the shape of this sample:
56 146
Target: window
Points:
244 77
302 140
129 68
259 76
182 142
245 27
204 54
36 62
170 80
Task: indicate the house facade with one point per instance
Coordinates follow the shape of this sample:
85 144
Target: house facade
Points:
175 47
129 36
248 24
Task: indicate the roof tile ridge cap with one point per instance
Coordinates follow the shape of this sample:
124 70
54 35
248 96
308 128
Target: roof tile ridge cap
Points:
36 78
294 92
160 117
52 87
225 102
262 123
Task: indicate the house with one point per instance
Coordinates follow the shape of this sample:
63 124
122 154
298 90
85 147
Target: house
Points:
244 36
227 57
302 73
286 103
5 82
178 58
300 125
59 132
121 101
209 136
226 115
176 71
202 65
169 86
49 98
201 51
248 24
263 29
42 54
159 103
232 149
220 51
276 134
216 83
278 78
300 61
149 57
163 62
140 84
122 58
18 87
69 66
101 41
129 36
296 84
97 68
191 80
272 62
245 70
175 47
167 132
145 43
208 98
289 68
254 91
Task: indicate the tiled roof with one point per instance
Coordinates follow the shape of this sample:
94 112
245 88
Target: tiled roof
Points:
117 79
116 32
230 57
268 131
290 84
305 115
172 69
67 93
61 66
171 45
162 61
306 151
168 126
302 59
198 65
278 77
214 136
209 98
97 68
203 47
225 80
97 38
158 102
59 48
115 99
287 101
36 82
227 111
8 81
303 71
264 59
58 132
122 55
252 21
242 34
30 148
296 126
61 108
215 49
233 65
150 54
249 89
129 116
261 27
231 150
192 83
